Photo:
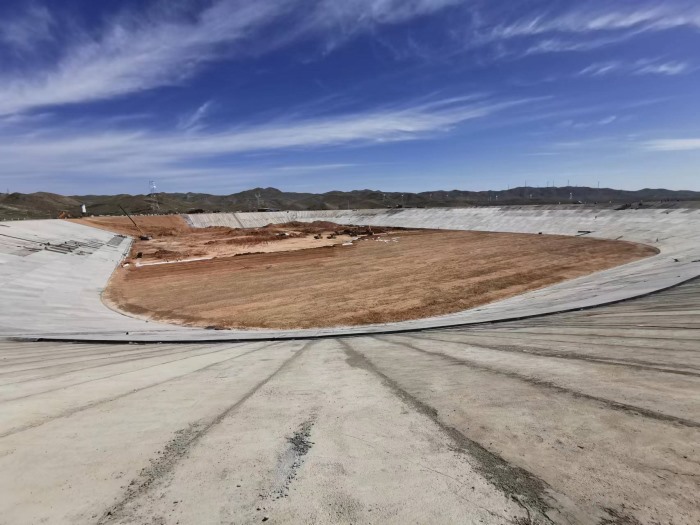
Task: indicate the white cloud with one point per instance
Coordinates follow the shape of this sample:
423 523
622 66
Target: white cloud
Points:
588 26
565 45
357 12
31 27
193 121
604 121
134 54
140 153
665 68
673 145
600 69
603 18
316 167
638 67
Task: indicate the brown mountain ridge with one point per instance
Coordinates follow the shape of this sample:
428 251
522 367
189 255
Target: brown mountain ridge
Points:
43 205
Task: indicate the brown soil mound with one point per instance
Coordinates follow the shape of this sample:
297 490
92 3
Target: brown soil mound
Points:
387 278
172 239
154 225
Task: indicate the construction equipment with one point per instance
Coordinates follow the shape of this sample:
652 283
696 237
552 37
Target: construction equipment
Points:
142 235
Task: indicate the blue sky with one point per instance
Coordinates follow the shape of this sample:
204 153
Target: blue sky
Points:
313 95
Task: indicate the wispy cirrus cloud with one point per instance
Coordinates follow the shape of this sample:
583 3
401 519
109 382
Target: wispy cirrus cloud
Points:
663 68
637 67
134 54
138 53
28 28
131 53
687 144
603 121
316 167
565 45
602 17
142 153
600 69
193 121
550 28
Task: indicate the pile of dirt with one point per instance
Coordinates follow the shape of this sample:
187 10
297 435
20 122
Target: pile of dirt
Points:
166 254
316 227
172 239
153 225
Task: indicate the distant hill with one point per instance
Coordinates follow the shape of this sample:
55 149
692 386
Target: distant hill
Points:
49 205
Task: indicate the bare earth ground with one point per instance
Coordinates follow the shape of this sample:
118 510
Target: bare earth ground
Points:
173 240
386 278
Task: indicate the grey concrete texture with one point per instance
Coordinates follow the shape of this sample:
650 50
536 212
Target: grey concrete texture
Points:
54 295
588 417
583 417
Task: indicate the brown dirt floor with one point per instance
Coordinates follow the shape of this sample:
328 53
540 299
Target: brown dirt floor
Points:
423 273
174 240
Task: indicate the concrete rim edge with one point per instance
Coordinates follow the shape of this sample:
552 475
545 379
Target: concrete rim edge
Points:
339 334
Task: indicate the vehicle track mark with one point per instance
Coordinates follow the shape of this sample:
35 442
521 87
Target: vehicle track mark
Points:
180 446
75 410
95 351
129 358
523 487
537 351
110 375
608 403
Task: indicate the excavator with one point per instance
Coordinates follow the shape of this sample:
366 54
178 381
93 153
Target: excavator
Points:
142 235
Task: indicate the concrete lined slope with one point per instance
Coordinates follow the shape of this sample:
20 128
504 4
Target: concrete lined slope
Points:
581 418
66 304
49 287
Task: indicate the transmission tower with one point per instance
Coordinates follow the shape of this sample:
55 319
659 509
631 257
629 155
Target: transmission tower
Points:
153 196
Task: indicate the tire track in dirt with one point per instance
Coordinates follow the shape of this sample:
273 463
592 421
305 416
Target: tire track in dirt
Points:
607 403
116 363
181 444
104 353
523 487
110 375
538 351
129 357
56 352
75 410
514 332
